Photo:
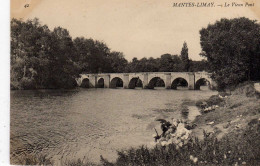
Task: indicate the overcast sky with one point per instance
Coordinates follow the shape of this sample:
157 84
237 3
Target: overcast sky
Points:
138 28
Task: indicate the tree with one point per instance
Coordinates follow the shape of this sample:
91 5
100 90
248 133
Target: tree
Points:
40 58
153 64
232 48
92 56
198 66
133 66
166 63
117 62
185 57
170 63
30 48
177 66
62 70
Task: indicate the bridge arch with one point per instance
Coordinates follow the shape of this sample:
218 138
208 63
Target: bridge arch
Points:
156 82
100 83
203 78
85 83
148 79
135 82
179 81
116 82
200 82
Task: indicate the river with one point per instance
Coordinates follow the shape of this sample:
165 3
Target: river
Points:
87 123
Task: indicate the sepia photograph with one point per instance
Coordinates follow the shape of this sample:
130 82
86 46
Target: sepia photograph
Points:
134 82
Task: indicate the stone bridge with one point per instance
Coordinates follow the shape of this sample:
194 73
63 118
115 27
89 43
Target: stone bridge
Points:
171 80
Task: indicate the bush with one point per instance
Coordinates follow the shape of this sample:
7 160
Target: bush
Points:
232 149
247 89
14 85
27 83
35 160
214 100
79 162
223 94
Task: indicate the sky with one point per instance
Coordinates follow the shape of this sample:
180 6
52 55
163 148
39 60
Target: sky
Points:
138 28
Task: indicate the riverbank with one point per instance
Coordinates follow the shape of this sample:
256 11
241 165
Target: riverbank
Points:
233 115
227 133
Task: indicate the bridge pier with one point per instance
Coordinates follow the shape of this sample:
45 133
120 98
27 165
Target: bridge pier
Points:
92 81
79 81
191 81
126 81
168 81
145 82
106 81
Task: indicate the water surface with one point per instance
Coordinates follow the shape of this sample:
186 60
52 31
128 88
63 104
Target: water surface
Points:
87 123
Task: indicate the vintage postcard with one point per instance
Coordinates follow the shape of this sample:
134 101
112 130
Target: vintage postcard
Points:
134 82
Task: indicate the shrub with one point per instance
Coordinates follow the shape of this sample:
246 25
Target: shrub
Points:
35 160
223 94
79 162
27 83
214 100
247 89
232 149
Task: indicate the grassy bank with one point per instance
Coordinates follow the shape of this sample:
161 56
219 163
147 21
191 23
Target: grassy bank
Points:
227 134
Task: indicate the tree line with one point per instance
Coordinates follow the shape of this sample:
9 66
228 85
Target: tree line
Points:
41 58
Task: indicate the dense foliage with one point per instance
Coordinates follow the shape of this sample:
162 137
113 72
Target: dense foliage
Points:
41 58
232 48
185 57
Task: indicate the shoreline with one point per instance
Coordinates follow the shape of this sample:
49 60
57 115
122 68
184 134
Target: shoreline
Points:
237 111
226 134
